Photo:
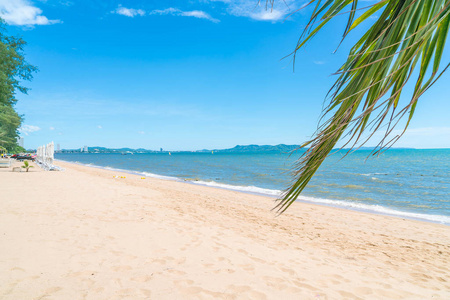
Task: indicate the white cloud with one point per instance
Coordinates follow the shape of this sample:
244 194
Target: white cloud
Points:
141 132
267 15
52 128
99 127
177 12
129 12
259 11
22 12
198 14
26 129
319 62
66 2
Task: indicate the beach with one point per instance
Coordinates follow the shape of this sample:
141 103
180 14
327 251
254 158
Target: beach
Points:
90 233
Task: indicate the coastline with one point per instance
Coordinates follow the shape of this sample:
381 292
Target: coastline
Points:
358 207
82 233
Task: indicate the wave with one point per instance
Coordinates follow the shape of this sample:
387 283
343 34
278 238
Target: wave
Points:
378 209
160 176
352 205
371 174
248 189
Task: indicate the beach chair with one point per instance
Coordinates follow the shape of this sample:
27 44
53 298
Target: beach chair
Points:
5 162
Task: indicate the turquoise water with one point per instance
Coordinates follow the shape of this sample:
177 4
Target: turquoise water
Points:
401 182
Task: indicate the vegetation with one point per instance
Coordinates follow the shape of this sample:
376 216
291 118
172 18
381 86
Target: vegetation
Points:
13 68
26 165
406 41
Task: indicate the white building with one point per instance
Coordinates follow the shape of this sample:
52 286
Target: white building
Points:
85 149
20 141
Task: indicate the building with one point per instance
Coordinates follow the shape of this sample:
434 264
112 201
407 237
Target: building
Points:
20 141
58 147
161 150
85 149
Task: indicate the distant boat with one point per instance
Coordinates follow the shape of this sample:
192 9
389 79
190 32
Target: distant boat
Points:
212 152
170 153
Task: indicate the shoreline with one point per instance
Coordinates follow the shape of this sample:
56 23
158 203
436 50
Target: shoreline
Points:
83 233
341 204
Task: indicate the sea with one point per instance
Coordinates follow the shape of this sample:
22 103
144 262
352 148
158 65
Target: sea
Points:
407 183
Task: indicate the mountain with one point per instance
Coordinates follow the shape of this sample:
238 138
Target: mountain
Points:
260 148
239 148
281 148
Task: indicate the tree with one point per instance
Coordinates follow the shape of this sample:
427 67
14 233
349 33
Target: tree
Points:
406 40
13 69
9 123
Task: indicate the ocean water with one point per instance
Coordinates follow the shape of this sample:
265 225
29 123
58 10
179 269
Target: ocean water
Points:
406 183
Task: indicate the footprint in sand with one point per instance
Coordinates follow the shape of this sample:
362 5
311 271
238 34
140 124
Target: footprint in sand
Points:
242 251
48 292
289 271
363 291
143 278
347 295
159 261
176 272
17 269
121 268
146 293
227 271
247 267
304 286
224 259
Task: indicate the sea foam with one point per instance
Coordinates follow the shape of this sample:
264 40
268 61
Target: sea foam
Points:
352 205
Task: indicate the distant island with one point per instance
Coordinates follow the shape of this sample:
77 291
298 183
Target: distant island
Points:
282 148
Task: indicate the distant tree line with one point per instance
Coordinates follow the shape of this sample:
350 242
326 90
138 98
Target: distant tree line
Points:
13 69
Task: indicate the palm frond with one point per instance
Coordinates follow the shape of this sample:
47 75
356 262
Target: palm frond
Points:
406 40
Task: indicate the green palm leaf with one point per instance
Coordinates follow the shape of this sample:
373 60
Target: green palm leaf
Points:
406 40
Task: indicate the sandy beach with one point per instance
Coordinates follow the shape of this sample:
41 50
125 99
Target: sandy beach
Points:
83 234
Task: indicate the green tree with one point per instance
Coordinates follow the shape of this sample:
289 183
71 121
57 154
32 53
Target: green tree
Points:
13 69
9 123
405 43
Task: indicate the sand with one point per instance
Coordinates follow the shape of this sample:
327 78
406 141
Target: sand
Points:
82 234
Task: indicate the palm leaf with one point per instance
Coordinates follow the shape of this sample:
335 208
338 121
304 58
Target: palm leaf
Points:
406 40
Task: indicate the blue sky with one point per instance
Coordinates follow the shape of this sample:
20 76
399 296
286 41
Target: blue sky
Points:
184 75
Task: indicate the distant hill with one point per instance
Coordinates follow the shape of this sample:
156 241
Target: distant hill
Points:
258 148
239 148
282 148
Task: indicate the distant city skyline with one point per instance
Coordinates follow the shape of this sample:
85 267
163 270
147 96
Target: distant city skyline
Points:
186 75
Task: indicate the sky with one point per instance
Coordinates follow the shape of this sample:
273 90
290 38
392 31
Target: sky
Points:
185 75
